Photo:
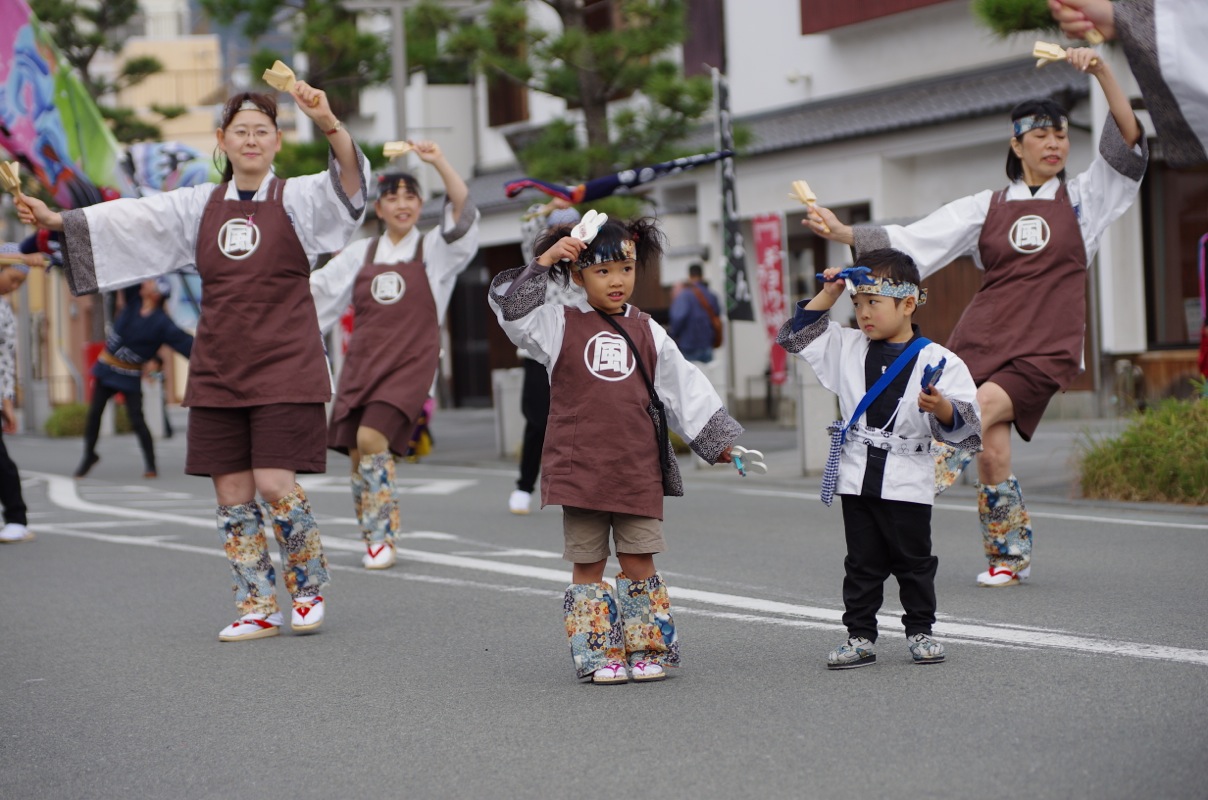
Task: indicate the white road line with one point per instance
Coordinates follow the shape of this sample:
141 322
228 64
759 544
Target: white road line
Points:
1140 523
62 492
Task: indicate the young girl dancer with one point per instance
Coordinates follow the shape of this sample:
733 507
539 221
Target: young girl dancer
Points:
1021 336
606 459
400 285
258 375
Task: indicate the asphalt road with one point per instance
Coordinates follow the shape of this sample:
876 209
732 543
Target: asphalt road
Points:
449 676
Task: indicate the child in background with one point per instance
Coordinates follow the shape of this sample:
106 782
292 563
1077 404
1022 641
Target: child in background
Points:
400 285
607 460
886 472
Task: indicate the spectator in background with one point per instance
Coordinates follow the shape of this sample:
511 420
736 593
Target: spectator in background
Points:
534 393
15 522
696 318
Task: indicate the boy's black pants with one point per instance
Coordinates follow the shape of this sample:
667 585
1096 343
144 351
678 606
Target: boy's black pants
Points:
887 537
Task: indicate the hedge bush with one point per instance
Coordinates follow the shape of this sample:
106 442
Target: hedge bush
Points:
1162 456
68 420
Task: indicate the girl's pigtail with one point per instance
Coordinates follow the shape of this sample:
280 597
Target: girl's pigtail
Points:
559 272
649 241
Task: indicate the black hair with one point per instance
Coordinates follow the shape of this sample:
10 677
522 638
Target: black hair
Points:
644 232
887 262
263 102
389 183
696 271
1032 108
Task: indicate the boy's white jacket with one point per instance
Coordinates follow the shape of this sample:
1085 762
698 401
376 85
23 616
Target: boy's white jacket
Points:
837 355
693 406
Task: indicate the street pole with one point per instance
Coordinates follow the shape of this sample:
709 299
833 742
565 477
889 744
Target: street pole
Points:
398 54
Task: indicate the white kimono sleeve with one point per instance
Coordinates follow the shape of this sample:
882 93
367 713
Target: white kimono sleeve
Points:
331 285
448 250
936 240
692 404
111 245
324 217
532 325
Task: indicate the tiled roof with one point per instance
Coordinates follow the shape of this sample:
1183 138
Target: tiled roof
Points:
985 92
971 95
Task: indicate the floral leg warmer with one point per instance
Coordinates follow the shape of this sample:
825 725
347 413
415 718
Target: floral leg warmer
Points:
380 510
646 616
242 528
1006 525
593 625
950 462
302 555
358 503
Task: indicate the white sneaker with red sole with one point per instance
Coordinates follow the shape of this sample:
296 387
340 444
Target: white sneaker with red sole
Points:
378 556
308 614
252 626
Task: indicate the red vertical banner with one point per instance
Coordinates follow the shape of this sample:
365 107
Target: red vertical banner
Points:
769 256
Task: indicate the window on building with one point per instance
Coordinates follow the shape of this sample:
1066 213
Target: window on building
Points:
1173 203
823 15
507 101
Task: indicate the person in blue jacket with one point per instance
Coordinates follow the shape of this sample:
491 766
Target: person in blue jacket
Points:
141 329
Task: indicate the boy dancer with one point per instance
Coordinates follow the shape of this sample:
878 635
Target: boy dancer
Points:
881 462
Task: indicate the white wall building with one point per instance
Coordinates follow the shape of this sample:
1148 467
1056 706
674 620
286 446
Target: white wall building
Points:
889 110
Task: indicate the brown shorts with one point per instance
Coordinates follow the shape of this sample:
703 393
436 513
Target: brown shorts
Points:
382 417
1030 391
586 534
278 436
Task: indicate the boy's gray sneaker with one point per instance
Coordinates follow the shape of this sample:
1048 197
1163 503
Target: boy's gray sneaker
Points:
924 649
855 652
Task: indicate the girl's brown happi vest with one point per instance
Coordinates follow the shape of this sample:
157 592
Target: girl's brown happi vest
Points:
1032 302
600 448
395 339
258 338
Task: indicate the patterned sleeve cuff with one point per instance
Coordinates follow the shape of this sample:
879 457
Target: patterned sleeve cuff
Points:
719 433
971 429
795 342
1119 155
522 299
867 238
469 212
77 253
337 185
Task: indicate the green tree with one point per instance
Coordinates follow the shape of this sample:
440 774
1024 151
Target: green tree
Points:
341 59
615 49
82 30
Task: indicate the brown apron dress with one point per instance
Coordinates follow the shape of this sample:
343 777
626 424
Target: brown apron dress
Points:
1024 328
395 348
258 341
600 447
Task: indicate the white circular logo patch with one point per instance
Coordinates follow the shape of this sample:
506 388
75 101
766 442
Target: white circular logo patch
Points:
388 287
607 357
238 238
1029 234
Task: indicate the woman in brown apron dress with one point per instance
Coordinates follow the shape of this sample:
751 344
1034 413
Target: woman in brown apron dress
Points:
258 375
1022 334
400 285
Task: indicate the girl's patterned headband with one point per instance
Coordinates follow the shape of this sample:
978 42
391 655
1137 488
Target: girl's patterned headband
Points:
1025 124
623 250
